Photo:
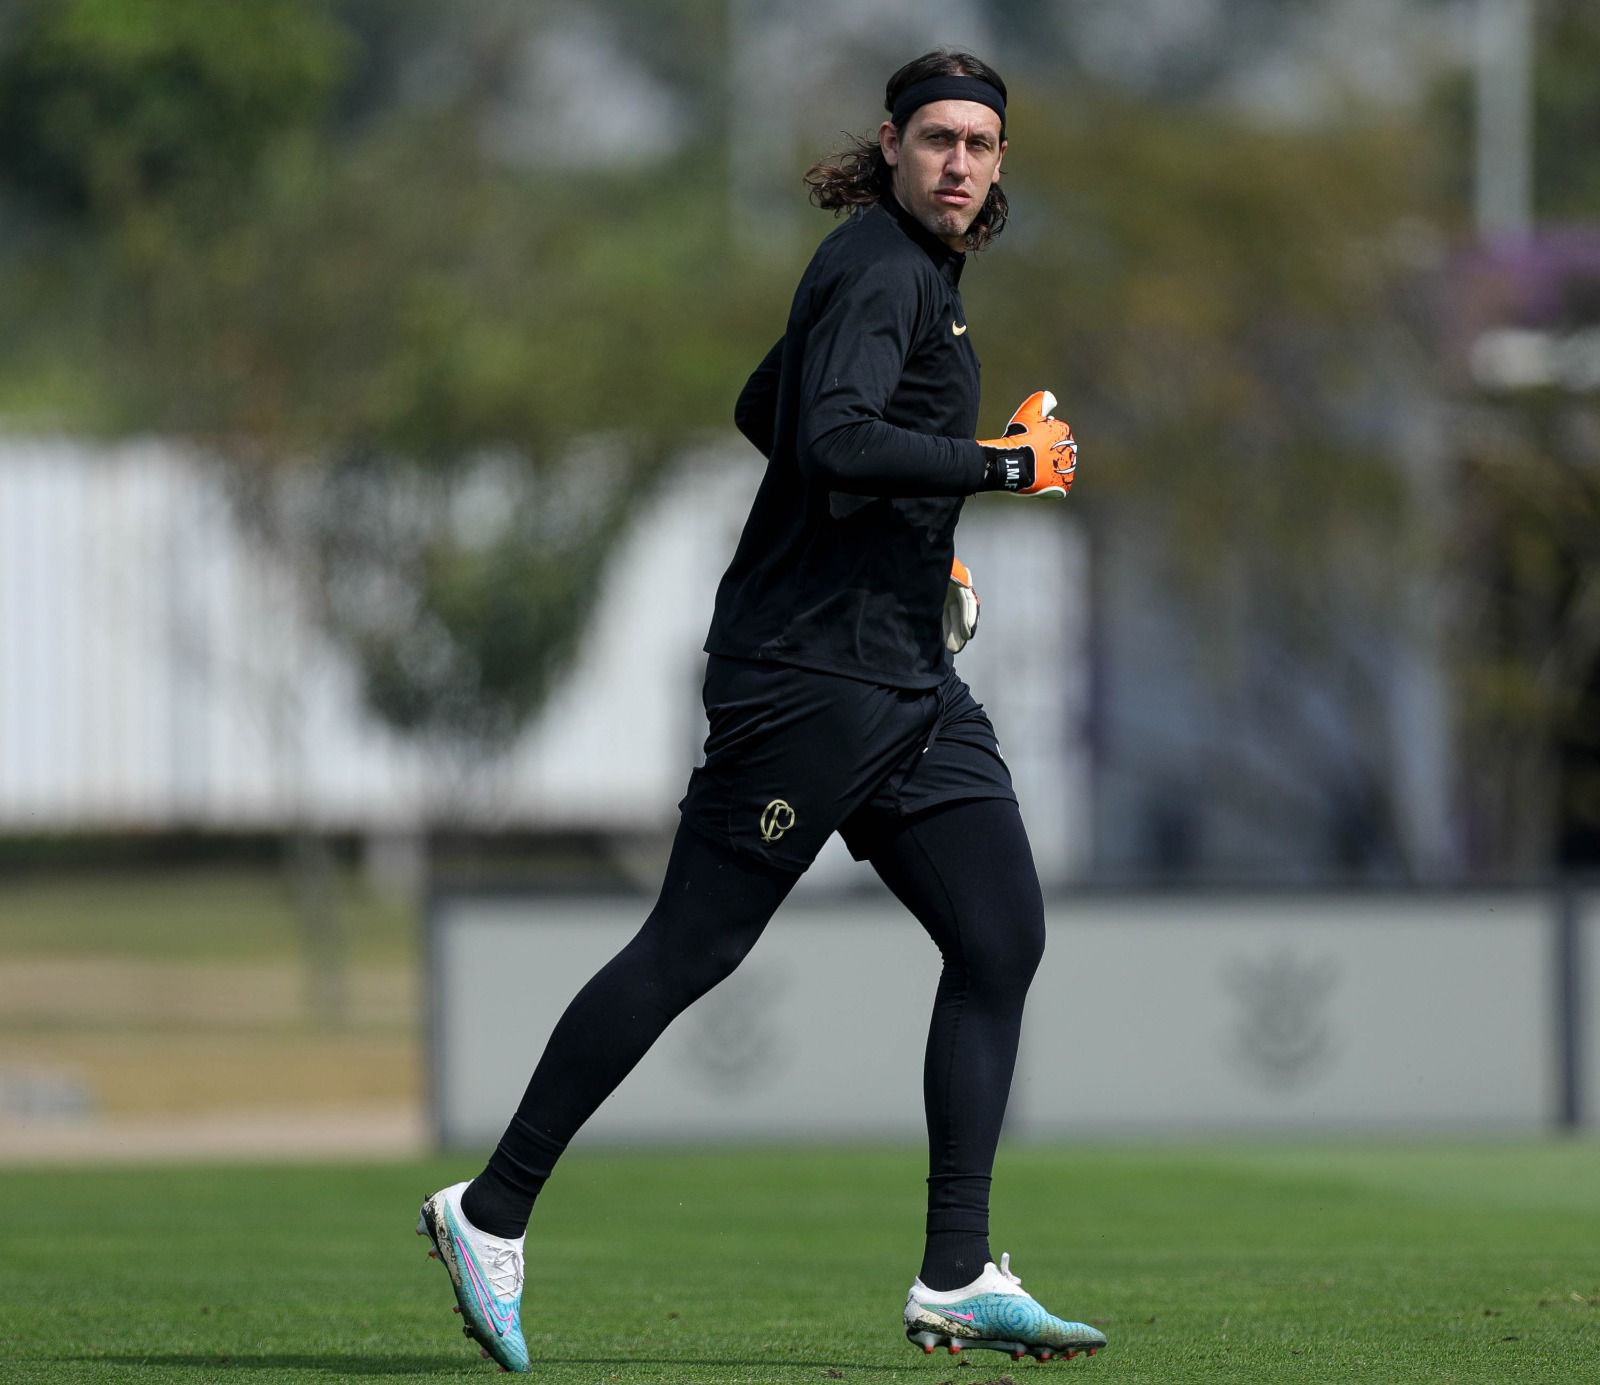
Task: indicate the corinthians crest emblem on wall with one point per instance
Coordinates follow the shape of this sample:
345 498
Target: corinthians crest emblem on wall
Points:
732 1038
1283 1036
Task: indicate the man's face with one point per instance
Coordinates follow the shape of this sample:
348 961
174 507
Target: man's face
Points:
944 164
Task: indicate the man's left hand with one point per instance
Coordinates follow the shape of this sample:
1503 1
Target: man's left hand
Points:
1037 455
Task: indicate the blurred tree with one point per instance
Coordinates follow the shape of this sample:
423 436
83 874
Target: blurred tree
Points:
1531 631
107 107
1222 319
1566 111
258 244
1528 471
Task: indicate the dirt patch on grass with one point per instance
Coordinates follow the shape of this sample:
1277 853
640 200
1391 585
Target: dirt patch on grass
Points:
184 1074
135 1058
119 993
373 1131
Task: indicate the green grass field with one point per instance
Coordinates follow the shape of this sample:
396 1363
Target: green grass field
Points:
1449 1266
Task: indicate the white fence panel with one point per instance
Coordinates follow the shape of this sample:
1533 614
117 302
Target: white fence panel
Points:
158 670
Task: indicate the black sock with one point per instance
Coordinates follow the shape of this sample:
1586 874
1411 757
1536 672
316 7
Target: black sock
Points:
953 1259
500 1199
491 1204
957 1247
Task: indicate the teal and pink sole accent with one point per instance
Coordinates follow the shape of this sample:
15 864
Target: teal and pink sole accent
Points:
932 1341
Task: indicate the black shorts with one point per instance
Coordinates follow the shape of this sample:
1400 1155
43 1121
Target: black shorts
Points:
795 755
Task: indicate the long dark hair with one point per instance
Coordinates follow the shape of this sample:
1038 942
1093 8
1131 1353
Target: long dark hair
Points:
860 176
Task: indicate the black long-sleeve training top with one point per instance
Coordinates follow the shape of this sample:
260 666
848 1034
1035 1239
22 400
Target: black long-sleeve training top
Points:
866 411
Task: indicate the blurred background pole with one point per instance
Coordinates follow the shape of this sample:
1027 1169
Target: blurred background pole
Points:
1504 143
758 131
314 872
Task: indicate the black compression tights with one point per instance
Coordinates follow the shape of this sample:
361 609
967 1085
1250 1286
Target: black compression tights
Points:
963 869
967 873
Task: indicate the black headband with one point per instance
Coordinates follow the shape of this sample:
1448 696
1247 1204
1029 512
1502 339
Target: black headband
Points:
953 88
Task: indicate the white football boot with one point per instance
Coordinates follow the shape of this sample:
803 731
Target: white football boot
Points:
993 1311
486 1272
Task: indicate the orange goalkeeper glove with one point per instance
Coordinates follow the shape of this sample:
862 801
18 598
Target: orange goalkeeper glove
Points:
1037 455
960 608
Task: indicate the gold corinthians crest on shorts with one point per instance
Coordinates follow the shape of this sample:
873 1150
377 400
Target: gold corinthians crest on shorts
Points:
776 819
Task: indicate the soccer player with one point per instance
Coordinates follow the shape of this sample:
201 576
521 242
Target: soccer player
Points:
834 707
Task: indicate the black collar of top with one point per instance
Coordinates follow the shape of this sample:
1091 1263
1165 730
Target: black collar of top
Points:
951 88
949 261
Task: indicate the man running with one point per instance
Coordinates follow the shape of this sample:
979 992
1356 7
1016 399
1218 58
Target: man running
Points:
834 707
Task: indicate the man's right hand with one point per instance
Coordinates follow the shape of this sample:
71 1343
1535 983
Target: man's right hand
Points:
1037 455
960 608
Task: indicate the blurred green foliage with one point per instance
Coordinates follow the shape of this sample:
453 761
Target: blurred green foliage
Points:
224 226
105 107
1567 111
1522 552
1214 293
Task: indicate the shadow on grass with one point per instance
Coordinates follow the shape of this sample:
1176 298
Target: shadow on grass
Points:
333 1363
352 1364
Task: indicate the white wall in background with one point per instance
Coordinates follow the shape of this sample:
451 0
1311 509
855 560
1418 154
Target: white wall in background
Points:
1299 1014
